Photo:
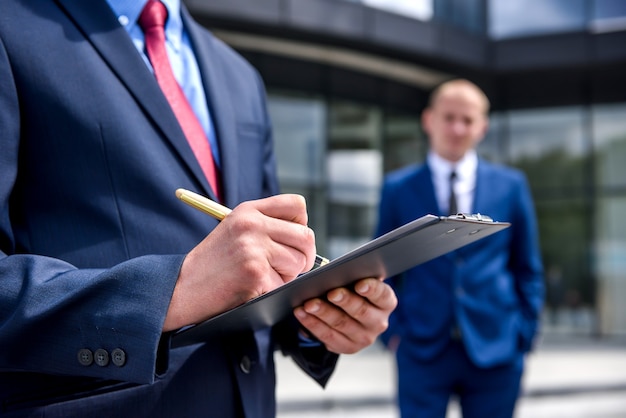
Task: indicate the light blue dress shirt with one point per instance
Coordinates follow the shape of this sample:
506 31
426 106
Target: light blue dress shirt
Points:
180 53
187 74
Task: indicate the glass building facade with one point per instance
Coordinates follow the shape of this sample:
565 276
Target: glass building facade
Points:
501 19
335 154
337 135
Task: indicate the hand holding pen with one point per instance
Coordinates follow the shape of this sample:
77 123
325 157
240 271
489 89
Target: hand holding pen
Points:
219 212
345 320
258 246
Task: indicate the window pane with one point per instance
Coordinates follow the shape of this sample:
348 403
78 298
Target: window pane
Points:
492 145
548 145
465 14
514 18
610 263
609 133
417 9
564 235
404 142
299 126
299 136
354 169
607 9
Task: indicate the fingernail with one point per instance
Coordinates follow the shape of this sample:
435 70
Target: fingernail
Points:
299 313
362 287
312 307
336 296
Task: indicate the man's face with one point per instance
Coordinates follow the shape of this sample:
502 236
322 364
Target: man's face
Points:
455 123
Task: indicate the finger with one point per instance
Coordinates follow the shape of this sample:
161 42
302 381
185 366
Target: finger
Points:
296 236
310 316
359 309
289 207
337 329
288 246
377 293
287 261
370 304
350 321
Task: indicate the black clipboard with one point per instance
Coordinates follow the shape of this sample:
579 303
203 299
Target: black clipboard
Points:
401 249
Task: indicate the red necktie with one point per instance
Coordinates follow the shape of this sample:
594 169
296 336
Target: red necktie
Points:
152 21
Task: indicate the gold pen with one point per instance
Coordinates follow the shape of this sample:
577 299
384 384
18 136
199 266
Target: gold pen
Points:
219 212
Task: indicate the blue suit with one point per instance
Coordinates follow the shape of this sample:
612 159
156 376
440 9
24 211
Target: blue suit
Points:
491 291
92 236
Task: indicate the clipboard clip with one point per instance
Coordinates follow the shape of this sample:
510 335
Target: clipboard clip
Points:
473 217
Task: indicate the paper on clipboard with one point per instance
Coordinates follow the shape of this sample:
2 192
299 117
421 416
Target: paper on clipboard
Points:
401 249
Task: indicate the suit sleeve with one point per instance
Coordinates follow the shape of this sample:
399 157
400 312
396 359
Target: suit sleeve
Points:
315 360
50 310
526 265
387 222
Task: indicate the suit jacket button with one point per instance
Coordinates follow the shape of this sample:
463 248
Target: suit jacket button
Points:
85 357
118 357
101 357
245 365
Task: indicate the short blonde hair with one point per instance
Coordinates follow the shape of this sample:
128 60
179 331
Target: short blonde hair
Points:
459 83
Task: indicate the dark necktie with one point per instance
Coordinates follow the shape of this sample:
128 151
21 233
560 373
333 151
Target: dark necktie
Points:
152 21
452 200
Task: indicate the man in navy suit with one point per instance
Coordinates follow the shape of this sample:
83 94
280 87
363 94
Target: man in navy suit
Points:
100 262
464 320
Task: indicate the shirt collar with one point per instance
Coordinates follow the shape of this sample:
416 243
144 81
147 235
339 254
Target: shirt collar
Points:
465 168
128 11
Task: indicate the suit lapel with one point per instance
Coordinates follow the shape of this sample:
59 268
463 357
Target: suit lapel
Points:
481 196
425 189
100 27
481 202
220 105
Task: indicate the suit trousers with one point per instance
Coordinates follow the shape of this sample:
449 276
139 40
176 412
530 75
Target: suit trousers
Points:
426 386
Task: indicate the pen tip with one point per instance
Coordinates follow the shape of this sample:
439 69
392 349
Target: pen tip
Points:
179 193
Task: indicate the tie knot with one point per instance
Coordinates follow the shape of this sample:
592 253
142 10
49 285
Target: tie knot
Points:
452 175
154 14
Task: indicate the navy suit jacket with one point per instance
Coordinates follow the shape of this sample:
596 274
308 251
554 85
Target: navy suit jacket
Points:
492 289
91 234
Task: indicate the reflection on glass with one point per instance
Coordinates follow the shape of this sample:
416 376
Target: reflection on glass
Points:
354 176
490 148
299 127
548 144
404 142
466 14
609 133
354 126
605 9
564 230
299 136
514 18
417 9
334 152
354 171
608 16
610 260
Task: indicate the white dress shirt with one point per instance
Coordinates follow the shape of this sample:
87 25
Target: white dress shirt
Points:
465 183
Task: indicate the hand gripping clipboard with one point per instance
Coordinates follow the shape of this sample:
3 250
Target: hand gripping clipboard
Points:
401 249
